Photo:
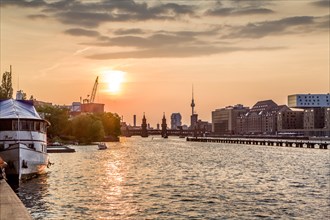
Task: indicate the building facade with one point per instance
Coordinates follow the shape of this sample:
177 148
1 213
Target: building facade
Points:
224 119
290 120
260 119
176 120
314 118
309 100
316 109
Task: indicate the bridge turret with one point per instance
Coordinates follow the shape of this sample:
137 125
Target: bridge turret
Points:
164 127
144 131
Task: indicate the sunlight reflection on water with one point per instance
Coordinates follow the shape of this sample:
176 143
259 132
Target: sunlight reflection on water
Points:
174 179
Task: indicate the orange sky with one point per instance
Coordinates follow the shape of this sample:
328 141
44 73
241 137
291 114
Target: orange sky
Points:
232 51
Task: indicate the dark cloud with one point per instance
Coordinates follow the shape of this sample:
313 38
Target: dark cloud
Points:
322 3
238 11
23 3
212 32
81 32
239 8
37 16
128 31
93 13
276 27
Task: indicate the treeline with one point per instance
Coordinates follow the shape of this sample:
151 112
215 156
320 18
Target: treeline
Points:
6 88
84 128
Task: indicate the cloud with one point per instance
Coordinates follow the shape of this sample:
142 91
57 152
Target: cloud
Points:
128 31
276 27
175 52
157 39
37 16
238 8
91 14
238 11
23 3
81 32
322 3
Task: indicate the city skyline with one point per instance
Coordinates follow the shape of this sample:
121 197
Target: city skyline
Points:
149 53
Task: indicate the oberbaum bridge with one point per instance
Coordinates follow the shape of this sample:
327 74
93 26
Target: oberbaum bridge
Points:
199 134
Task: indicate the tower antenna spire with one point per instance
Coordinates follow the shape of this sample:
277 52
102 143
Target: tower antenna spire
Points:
192 101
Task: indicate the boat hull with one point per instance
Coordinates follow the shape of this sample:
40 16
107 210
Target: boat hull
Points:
24 162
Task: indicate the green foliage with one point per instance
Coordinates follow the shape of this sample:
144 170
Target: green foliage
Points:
58 118
85 128
6 87
111 123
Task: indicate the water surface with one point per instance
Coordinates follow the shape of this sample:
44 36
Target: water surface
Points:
154 178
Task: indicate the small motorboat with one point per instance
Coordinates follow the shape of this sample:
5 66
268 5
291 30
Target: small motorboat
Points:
102 146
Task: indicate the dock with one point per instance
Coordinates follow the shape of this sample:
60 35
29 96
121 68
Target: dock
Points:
60 149
11 207
319 144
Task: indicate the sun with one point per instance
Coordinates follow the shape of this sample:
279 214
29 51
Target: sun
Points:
114 80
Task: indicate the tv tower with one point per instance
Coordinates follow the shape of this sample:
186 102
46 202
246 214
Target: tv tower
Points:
192 101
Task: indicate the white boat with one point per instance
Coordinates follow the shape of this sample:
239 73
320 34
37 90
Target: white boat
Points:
102 146
23 139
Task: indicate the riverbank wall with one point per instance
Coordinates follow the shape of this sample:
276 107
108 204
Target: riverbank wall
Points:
11 207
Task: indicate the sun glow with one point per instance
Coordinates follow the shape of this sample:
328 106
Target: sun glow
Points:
114 80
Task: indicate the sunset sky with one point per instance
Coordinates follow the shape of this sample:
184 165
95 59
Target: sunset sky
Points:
148 54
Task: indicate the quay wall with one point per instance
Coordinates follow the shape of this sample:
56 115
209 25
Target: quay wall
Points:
11 207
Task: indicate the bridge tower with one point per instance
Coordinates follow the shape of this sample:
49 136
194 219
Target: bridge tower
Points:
164 127
144 131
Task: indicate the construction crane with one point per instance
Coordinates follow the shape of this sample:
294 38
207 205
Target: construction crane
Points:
91 98
94 90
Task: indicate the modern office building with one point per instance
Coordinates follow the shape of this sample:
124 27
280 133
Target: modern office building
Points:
309 100
316 112
176 120
224 119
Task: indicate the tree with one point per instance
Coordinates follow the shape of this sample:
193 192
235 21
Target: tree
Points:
96 131
87 128
58 118
111 123
6 87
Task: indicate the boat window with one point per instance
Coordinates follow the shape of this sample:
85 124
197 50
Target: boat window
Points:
2 147
5 125
37 126
23 125
30 125
15 125
42 127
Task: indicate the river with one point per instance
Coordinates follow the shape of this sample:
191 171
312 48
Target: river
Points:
155 178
